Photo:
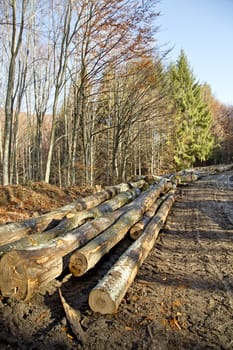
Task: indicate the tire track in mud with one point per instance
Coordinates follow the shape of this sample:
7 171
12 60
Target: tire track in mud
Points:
214 266
195 259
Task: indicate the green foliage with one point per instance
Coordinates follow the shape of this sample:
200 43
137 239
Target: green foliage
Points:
191 138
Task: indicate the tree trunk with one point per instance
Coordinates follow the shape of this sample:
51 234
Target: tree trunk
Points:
107 295
59 81
138 228
87 257
14 231
74 220
15 44
71 222
22 272
1 149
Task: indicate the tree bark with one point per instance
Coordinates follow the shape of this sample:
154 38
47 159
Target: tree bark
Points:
136 231
87 257
107 295
22 272
15 44
14 231
71 223
59 81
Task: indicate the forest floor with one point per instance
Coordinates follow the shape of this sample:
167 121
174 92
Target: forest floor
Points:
182 297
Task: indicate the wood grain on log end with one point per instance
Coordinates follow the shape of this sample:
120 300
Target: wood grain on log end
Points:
78 264
100 301
135 234
22 272
13 276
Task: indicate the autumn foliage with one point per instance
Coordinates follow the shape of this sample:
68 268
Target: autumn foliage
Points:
86 96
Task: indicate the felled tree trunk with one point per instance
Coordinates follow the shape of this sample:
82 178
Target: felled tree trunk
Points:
22 272
187 176
138 228
14 231
87 257
107 295
72 222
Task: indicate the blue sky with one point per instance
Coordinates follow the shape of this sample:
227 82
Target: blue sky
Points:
204 30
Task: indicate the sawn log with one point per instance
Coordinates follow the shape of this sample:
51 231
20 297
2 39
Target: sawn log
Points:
86 257
13 231
108 293
22 272
72 222
137 229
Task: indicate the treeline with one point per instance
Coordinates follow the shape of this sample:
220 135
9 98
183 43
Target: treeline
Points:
99 104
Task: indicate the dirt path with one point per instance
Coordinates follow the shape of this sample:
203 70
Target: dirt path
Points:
182 297
194 267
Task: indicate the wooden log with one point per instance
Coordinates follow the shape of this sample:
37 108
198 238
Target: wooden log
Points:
174 179
211 169
75 220
187 176
85 258
22 272
13 231
131 184
138 228
72 222
108 293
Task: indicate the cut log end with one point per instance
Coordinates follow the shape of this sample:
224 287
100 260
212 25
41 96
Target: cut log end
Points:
78 264
70 215
23 271
135 234
13 276
100 301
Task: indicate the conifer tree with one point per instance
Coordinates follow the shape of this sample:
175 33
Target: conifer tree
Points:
191 138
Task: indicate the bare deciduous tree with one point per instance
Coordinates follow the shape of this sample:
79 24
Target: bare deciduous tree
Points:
15 16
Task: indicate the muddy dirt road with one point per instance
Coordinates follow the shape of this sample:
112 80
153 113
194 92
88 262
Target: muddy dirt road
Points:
182 297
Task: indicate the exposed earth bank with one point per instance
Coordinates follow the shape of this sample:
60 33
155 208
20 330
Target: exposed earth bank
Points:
182 297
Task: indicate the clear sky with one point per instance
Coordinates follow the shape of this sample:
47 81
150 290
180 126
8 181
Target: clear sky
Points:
204 30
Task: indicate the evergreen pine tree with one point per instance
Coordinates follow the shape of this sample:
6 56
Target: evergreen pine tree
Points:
191 137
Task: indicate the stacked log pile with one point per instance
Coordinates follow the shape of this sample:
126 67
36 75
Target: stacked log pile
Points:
107 295
14 231
32 253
